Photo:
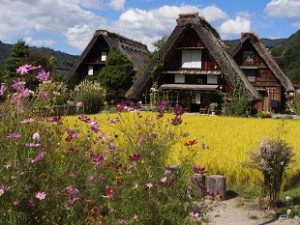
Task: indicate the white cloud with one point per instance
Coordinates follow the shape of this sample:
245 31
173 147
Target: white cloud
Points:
79 35
117 4
284 8
91 4
213 14
39 43
236 26
48 16
149 26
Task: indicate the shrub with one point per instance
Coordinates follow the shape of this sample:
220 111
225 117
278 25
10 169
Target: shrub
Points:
272 158
52 93
213 106
264 114
296 104
91 94
237 107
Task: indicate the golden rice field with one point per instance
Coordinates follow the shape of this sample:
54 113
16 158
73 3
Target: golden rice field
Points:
228 141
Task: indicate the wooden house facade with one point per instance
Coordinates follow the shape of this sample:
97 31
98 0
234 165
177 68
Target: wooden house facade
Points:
93 58
196 66
263 73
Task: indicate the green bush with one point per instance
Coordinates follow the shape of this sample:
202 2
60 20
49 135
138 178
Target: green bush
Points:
237 107
264 114
91 94
296 104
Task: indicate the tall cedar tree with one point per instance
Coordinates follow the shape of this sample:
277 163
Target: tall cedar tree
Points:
19 52
116 77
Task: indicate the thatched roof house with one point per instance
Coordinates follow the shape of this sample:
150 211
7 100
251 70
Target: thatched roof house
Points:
194 34
263 72
94 55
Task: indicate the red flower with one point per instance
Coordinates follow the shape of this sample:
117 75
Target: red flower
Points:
135 157
190 143
108 192
199 169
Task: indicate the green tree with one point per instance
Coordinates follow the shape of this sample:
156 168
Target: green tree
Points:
116 77
19 52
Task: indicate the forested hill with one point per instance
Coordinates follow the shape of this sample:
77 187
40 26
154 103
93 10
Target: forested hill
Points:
269 43
287 55
63 59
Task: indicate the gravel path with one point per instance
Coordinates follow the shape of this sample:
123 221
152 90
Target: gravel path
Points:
238 212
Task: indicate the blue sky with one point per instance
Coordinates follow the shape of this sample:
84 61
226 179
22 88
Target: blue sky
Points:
68 25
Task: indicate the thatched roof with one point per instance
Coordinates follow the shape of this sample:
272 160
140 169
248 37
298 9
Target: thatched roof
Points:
265 55
135 51
211 39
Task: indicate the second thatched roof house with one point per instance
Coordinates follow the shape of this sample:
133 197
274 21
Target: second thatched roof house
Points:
196 66
93 58
263 72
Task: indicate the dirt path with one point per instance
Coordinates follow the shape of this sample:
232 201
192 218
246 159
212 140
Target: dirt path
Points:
238 212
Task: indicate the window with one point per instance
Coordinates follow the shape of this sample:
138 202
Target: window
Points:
212 79
251 78
90 71
103 56
199 80
179 78
196 98
191 59
251 74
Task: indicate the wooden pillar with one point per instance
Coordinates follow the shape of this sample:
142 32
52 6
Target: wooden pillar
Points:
216 184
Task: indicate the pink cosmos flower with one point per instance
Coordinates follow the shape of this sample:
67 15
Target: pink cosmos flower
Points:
122 106
179 110
135 216
36 136
31 203
13 135
43 95
2 89
71 201
16 202
84 118
32 145
40 195
27 120
71 135
43 75
24 69
96 158
164 179
94 126
17 84
39 157
79 104
72 191
194 213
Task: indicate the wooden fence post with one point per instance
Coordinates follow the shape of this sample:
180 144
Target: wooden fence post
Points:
216 184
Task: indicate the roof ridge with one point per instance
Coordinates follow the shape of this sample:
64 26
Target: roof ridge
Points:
111 34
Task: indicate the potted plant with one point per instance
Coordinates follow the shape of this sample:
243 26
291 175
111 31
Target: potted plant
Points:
212 107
